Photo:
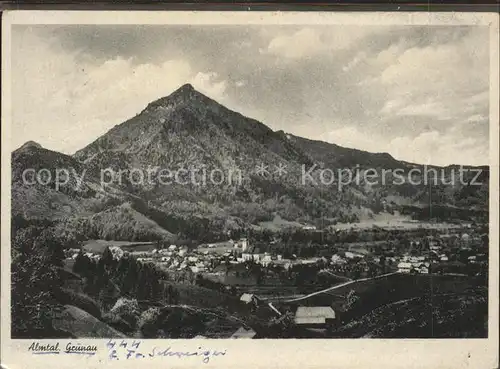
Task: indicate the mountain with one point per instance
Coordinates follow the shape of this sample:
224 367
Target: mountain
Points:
186 137
334 156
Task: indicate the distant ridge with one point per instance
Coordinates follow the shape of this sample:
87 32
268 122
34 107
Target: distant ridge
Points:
189 130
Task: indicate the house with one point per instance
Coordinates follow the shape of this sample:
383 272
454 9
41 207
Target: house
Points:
244 333
243 244
352 255
315 316
423 269
197 269
309 228
337 259
247 297
404 267
309 261
265 259
250 256
257 257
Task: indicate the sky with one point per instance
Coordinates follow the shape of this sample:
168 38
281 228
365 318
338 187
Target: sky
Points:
420 93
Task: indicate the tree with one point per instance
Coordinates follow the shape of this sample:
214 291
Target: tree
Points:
80 263
35 284
107 258
350 300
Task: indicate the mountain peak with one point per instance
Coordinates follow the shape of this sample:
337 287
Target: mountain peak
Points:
188 87
181 95
30 144
186 91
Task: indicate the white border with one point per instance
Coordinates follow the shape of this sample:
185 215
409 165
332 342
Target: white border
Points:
294 353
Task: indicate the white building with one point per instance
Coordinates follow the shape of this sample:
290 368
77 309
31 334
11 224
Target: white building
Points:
265 259
314 316
246 297
257 257
309 228
352 255
337 259
197 268
423 269
404 267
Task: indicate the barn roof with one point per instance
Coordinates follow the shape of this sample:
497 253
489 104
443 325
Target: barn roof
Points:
312 312
244 333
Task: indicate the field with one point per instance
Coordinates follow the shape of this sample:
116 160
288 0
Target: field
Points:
98 246
451 315
390 289
395 224
279 223
79 323
218 249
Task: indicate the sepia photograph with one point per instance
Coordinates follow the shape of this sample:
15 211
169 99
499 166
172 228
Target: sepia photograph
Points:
249 181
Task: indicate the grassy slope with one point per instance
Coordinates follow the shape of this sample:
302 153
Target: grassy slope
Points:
445 315
84 325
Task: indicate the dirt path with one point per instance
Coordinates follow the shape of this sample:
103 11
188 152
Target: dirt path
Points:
340 285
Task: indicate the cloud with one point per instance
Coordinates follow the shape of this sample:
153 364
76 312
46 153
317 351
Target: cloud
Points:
209 84
431 79
358 86
430 147
351 136
309 41
354 62
305 42
442 149
427 108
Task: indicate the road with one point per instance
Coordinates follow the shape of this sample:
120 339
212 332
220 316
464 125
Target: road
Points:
340 285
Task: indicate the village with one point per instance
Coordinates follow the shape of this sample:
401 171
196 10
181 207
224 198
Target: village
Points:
446 249
259 276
